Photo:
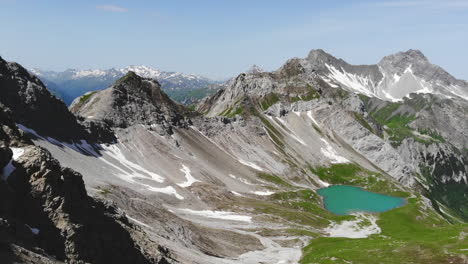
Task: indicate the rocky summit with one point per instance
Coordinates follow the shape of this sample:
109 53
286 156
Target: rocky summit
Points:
127 175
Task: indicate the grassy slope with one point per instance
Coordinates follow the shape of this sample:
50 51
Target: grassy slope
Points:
410 234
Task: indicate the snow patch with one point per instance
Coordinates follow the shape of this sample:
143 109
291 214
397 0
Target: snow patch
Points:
219 215
241 179
358 83
263 193
309 114
138 222
252 165
326 184
136 170
17 152
9 168
355 228
291 134
190 179
331 153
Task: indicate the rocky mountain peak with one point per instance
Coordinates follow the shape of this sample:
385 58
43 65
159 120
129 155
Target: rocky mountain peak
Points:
320 57
131 100
405 59
255 69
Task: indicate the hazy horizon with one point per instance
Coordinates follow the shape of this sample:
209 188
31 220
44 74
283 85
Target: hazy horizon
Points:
221 39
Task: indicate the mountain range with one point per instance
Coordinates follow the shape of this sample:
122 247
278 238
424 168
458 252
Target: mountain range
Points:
72 83
127 175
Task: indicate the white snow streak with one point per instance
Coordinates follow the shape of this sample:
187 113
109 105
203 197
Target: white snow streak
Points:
17 152
250 164
241 179
309 114
263 193
190 179
326 184
138 222
136 170
330 153
219 215
284 130
360 84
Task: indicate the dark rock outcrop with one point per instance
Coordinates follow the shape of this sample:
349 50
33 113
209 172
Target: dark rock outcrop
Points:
33 106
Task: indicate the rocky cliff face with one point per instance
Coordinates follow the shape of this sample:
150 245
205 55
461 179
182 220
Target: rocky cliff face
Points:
46 215
33 106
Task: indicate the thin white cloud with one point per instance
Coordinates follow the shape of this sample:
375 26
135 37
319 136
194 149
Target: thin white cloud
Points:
112 8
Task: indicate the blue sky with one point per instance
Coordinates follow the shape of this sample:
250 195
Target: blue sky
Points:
220 38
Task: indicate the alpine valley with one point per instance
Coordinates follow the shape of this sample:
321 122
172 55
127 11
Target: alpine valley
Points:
127 175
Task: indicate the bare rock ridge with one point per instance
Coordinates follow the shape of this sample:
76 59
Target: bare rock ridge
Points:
33 106
132 100
393 78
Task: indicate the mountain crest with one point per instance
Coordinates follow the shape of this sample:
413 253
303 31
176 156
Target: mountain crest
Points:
255 69
131 100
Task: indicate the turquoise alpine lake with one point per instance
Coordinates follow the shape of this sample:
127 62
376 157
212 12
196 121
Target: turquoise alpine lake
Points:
344 199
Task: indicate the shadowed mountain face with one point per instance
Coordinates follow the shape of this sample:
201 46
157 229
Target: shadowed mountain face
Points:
237 182
33 106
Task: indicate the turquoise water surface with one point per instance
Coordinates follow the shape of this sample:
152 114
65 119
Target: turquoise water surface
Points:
343 199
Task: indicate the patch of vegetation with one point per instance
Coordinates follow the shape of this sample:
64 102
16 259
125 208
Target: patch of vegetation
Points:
274 134
86 97
410 234
104 191
274 179
283 214
301 207
345 173
192 107
311 94
189 96
396 126
363 122
433 134
232 112
450 193
269 100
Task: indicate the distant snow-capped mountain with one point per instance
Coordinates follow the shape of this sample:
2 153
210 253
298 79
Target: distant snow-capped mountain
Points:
73 83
